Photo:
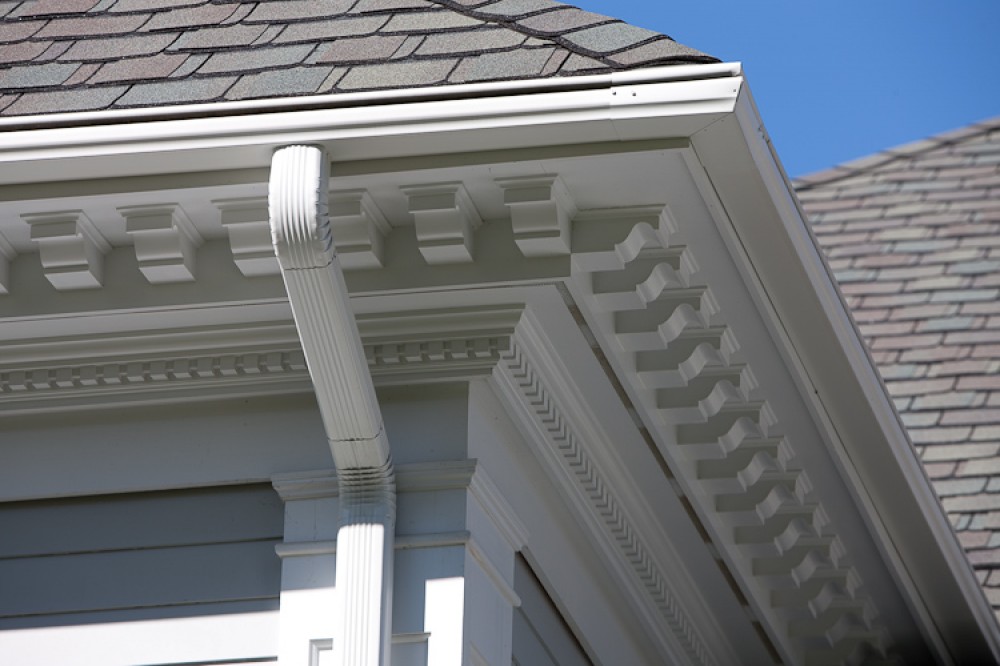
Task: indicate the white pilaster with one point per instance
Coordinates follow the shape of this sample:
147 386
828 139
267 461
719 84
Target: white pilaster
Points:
455 561
455 564
308 567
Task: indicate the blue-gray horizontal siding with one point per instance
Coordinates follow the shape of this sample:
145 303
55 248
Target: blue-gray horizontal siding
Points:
121 557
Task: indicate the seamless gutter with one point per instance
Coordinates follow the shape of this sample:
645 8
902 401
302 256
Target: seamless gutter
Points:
397 123
661 74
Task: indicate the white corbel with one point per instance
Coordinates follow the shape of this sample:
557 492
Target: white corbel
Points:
70 247
165 242
540 213
249 229
359 229
301 231
445 219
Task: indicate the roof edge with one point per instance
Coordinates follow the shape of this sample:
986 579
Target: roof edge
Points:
662 74
866 434
909 149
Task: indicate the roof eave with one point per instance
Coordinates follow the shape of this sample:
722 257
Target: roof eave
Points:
779 256
659 74
364 125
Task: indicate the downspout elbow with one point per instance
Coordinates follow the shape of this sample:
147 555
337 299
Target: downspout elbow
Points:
345 394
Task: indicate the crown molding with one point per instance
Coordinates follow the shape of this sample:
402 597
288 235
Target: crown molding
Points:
89 371
566 441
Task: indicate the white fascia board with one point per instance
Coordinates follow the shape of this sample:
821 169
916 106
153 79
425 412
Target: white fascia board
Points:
772 242
368 126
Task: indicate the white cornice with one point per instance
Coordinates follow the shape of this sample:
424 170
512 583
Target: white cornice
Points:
619 107
718 433
797 296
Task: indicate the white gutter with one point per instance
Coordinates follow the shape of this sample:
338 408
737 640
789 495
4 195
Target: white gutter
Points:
300 228
375 98
172 134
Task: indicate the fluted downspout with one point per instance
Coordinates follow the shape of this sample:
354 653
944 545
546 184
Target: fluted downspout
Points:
300 229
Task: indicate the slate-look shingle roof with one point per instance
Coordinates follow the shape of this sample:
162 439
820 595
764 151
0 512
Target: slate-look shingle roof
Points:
913 236
83 55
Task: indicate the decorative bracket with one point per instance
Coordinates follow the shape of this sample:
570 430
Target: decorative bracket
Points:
165 242
445 218
540 213
249 235
360 229
71 249
745 478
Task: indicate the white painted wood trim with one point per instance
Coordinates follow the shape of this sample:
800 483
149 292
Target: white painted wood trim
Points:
840 385
536 398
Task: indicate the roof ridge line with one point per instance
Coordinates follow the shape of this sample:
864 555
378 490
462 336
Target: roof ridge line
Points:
900 151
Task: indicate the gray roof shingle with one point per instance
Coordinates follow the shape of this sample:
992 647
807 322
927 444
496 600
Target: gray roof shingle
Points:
177 92
36 76
913 236
101 45
560 21
153 67
296 81
57 101
124 48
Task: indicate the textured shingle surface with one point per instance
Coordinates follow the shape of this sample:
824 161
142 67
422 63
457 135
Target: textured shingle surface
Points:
76 55
913 236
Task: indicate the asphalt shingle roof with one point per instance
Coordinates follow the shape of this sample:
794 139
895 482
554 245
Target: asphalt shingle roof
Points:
913 237
75 55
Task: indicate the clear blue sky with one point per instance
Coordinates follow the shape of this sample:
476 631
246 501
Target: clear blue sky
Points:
838 80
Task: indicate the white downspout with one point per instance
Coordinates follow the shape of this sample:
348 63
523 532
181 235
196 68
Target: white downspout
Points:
300 229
